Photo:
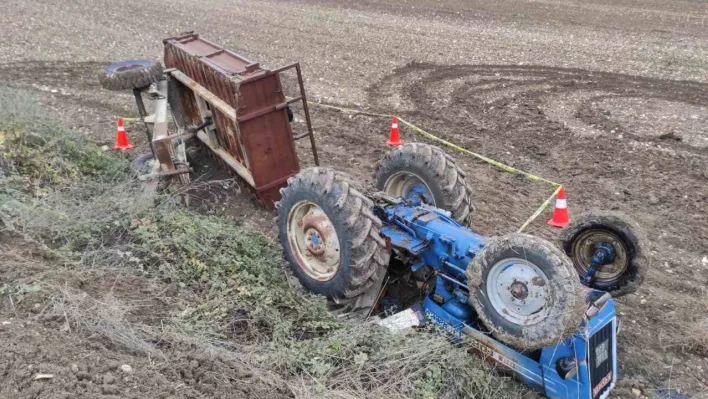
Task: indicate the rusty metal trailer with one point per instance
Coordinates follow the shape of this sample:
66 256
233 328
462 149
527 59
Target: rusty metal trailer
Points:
234 107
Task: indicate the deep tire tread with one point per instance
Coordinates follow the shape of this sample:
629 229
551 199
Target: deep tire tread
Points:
568 306
456 193
368 254
137 78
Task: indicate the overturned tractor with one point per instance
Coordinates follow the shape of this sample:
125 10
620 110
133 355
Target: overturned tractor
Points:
539 311
518 296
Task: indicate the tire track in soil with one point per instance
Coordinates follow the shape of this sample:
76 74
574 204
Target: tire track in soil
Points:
71 90
586 130
75 82
505 114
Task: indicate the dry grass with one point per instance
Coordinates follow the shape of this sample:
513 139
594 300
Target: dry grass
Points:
105 317
92 223
692 334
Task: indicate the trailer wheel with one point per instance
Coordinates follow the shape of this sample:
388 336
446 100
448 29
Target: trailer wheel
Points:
131 74
329 234
422 173
141 163
525 291
626 271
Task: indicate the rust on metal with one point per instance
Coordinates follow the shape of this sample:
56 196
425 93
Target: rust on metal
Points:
251 132
208 96
232 162
538 281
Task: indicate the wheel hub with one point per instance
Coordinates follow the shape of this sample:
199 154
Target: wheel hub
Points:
585 248
519 291
410 187
314 241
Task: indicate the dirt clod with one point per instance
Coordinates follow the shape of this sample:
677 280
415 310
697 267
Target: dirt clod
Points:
108 378
110 389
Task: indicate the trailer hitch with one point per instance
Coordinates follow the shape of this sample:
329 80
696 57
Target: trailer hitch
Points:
604 254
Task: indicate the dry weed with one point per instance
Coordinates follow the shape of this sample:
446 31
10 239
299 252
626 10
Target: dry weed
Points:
106 318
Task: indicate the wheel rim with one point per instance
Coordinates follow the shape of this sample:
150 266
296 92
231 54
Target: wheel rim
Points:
314 241
410 187
519 291
584 246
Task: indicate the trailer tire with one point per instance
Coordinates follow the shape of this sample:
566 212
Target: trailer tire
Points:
624 234
316 203
435 169
141 163
525 291
131 74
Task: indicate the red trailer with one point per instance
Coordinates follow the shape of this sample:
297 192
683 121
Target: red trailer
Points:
236 108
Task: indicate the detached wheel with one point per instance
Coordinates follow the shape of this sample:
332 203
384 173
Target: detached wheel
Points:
425 174
131 74
525 291
625 270
329 234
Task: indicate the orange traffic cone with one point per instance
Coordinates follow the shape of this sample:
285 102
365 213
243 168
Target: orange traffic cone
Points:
560 213
121 138
394 138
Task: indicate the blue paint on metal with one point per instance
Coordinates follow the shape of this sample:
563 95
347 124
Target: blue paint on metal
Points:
538 372
436 240
418 194
604 254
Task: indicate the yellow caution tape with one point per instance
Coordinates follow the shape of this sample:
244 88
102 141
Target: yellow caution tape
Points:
432 137
129 119
349 110
474 154
539 210
442 141
488 160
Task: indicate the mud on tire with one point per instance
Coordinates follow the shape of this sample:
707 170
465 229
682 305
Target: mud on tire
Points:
132 74
436 169
533 274
629 241
362 251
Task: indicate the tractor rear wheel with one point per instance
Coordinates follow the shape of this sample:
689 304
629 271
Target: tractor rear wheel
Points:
422 173
626 271
525 291
329 234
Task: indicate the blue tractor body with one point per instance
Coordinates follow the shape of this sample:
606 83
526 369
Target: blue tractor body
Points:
583 365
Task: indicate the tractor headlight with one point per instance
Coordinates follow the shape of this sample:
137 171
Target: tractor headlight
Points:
567 367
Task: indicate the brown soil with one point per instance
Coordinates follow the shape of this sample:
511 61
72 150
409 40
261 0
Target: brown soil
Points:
38 337
618 134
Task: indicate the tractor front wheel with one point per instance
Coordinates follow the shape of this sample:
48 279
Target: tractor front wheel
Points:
329 234
624 272
525 291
